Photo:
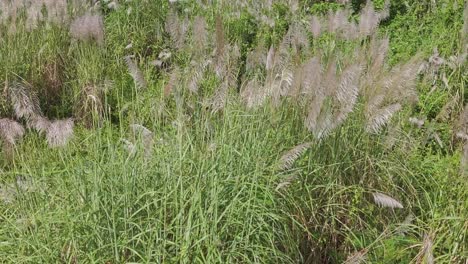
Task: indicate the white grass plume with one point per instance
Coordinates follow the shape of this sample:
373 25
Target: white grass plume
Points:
378 53
287 159
369 20
88 27
400 82
60 132
446 111
136 73
315 108
219 99
89 109
348 92
196 73
330 82
10 131
56 11
315 26
256 58
416 121
425 254
462 136
252 94
319 119
386 201
270 59
338 20
7 193
176 28
380 118
463 120
299 39
25 101
199 34
297 80
40 124
172 82
313 75
285 183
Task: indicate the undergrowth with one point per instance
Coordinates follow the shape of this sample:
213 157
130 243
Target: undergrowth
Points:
233 132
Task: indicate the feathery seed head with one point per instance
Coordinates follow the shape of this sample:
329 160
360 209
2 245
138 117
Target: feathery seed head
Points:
135 72
315 26
10 131
59 132
386 201
378 119
287 160
200 34
25 101
40 124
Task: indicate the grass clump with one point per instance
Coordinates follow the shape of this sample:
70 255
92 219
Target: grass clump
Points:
286 132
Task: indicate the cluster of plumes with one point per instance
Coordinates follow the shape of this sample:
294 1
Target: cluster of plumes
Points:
328 86
88 27
337 22
434 70
56 12
387 90
328 93
223 61
38 11
26 106
331 94
176 28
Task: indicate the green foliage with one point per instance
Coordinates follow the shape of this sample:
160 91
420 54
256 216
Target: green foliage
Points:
209 192
432 22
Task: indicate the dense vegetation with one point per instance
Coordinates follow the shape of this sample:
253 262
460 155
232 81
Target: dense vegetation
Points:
289 131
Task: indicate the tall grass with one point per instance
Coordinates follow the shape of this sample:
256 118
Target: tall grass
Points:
172 132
